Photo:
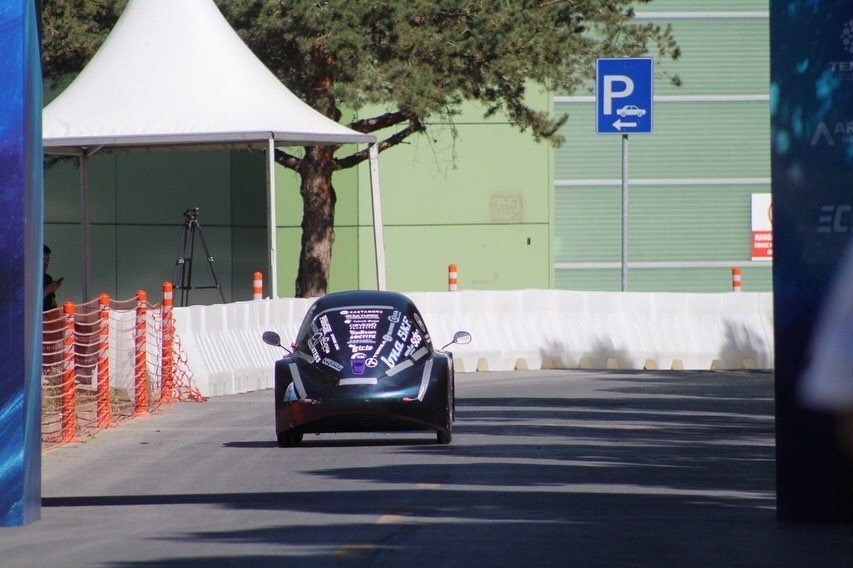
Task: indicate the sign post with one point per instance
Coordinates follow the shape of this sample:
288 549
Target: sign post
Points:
624 104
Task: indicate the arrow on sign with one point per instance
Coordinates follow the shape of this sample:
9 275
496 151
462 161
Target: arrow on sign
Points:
619 124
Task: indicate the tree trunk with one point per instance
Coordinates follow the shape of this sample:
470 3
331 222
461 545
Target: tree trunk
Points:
318 221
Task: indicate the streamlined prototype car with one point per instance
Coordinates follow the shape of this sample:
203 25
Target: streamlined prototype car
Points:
363 361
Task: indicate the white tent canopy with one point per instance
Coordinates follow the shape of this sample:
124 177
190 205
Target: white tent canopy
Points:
174 74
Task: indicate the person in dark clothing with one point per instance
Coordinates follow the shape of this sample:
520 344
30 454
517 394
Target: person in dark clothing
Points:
50 285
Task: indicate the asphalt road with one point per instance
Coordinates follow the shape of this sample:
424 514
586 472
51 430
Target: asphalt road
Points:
548 468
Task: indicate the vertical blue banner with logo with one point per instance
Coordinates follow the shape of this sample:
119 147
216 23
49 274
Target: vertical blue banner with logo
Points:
812 167
21 219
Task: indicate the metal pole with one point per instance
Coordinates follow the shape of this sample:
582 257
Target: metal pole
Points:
84 223
624 212
271 220
378 235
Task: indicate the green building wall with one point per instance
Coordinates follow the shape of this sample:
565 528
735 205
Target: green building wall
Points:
481 200
136 204
690 181
509 212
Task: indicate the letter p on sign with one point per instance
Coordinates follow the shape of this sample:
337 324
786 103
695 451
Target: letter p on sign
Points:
610 92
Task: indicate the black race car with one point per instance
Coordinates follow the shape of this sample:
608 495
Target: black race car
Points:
363 361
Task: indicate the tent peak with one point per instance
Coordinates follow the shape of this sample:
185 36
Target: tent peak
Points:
175 73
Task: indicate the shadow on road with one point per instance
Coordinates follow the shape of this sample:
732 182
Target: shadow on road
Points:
649 469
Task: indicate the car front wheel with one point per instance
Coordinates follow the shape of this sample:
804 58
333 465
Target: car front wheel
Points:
289 438
445 436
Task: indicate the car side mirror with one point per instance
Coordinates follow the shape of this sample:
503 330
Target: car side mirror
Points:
273 339
460 338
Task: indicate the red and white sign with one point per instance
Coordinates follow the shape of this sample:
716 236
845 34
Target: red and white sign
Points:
762 227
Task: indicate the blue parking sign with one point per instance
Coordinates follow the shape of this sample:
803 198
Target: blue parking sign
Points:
624 95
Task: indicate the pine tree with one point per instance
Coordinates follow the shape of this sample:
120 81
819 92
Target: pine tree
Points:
419 60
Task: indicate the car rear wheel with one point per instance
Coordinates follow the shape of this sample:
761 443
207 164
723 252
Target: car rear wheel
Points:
289 438
445 436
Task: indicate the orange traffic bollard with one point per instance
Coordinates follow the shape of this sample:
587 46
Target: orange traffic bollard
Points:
736 279
452 279
257 286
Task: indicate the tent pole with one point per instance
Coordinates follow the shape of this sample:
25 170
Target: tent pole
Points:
84 223
271 220
378 236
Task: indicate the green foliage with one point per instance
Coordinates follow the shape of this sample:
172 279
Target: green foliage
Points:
416 58
73 30
422 58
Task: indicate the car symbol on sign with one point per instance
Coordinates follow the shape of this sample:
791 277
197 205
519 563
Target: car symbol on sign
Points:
630 110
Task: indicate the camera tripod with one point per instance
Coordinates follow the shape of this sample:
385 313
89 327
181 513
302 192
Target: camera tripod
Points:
182 279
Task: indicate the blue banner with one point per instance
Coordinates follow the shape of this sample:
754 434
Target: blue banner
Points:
812 168
21 220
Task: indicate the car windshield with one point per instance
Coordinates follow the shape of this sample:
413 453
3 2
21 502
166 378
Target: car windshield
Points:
359 340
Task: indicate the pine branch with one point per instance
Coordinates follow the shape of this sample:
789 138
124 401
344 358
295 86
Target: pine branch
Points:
414 127
368 125
287 160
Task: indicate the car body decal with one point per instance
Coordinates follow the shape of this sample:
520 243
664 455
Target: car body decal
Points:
425 379
297 380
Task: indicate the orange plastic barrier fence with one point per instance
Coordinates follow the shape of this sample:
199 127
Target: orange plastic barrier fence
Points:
167 328
69 380
140 369
105 419
107 361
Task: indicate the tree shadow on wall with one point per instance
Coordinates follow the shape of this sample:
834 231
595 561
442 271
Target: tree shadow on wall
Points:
597 356
744 349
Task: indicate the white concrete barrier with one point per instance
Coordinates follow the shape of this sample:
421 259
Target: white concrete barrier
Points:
522 329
